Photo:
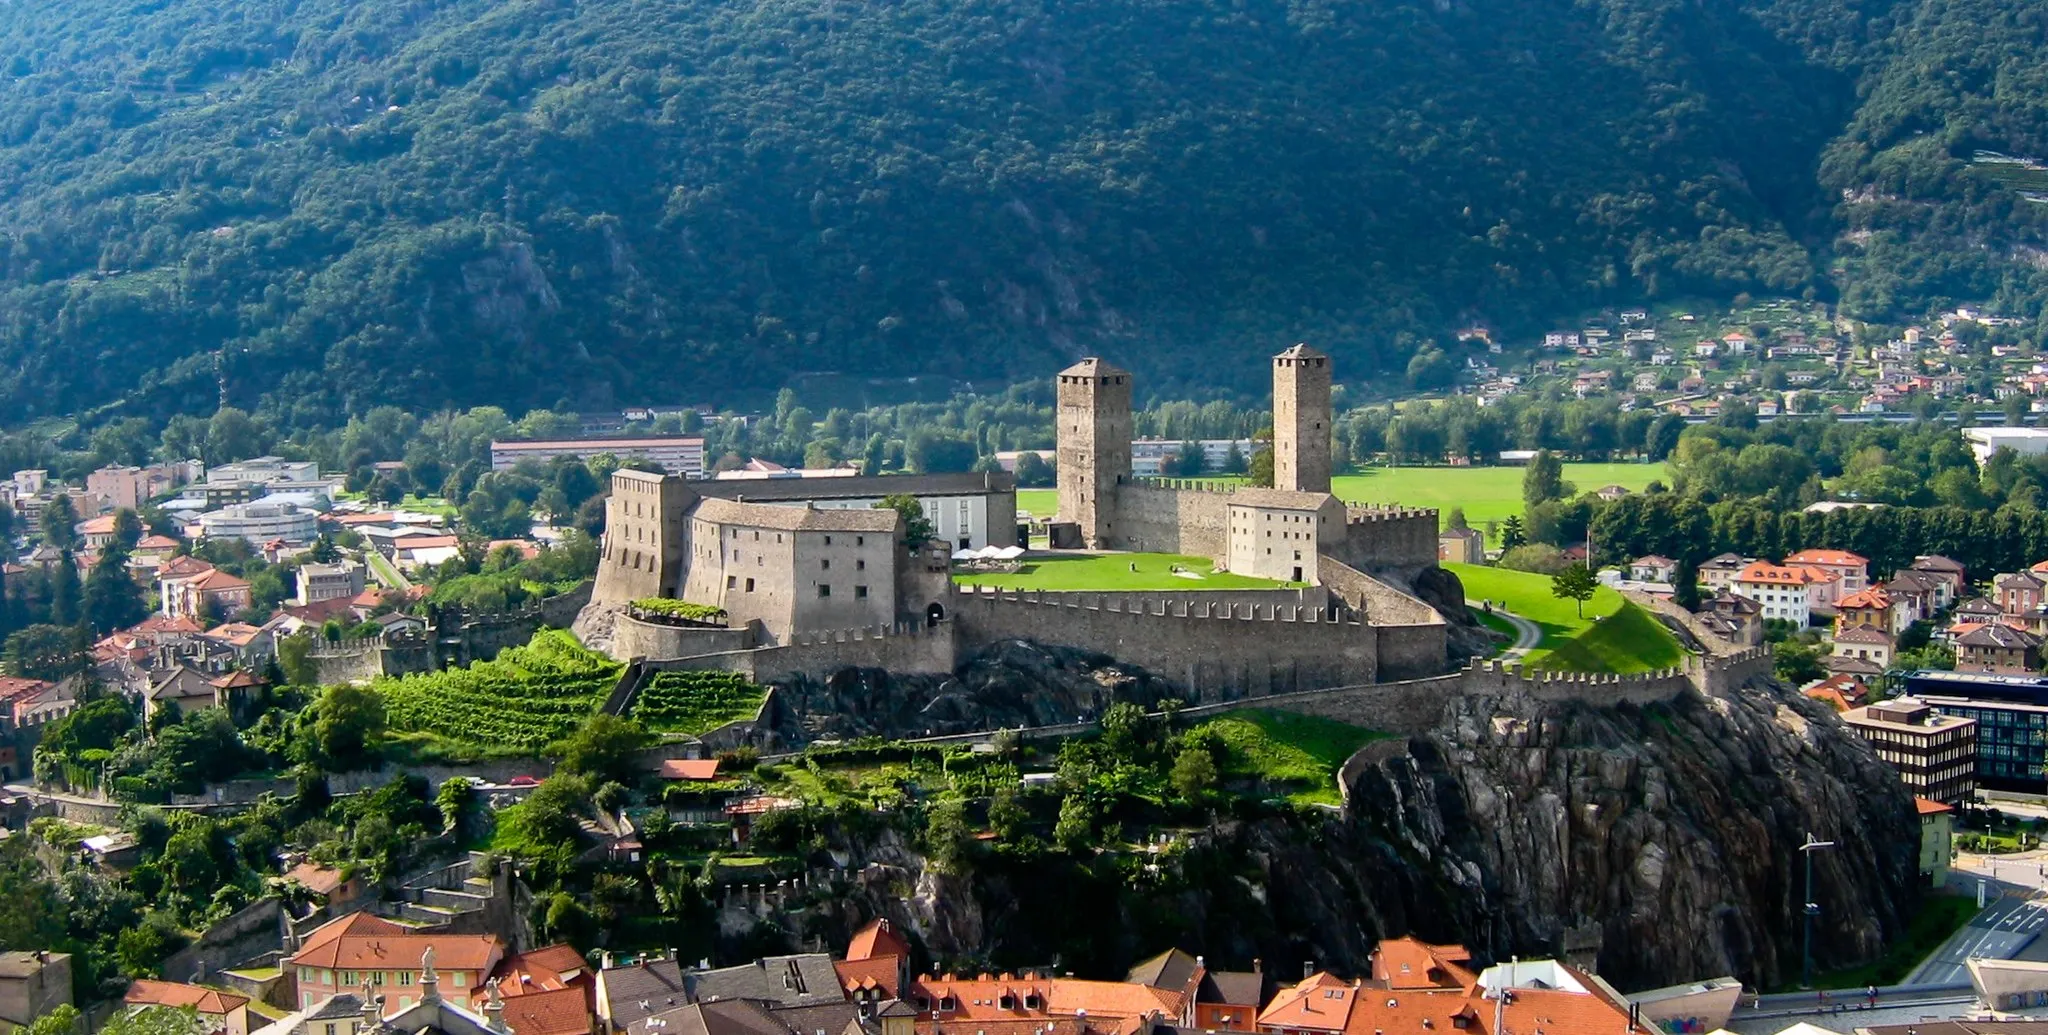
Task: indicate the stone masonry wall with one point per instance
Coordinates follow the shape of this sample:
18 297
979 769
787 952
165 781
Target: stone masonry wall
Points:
1156 519
1218 651
1402 538
633 638
1413 636
910 648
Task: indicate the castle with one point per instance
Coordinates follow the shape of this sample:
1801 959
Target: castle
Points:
811 577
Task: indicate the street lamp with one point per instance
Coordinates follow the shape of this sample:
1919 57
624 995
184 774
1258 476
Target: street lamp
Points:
1812 909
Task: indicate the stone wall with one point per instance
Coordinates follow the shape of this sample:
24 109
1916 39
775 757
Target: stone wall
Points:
1414 638
560 611
1402 538
1184 519
1219 651
350 661
250 932
633 638
1665 607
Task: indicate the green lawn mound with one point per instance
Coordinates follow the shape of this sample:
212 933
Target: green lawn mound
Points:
1297 754
1630 640
1111 572
1612 635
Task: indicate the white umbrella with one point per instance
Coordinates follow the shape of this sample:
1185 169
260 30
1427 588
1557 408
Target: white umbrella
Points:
965 555
1009 553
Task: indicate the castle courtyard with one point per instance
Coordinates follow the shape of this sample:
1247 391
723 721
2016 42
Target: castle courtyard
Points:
1115 571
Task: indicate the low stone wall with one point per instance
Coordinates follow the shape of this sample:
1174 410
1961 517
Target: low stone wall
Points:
1215 650
246 934
634 638
1413 637
911 648
351 661
1666 608
560 611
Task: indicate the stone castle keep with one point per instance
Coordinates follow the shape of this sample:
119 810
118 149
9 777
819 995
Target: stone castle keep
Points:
812 579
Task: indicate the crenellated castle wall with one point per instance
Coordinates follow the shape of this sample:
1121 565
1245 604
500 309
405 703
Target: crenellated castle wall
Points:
1387 538
1173 517
1215 649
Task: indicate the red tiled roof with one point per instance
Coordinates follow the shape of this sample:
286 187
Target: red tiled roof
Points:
157 542
102 525
17 688
875 939
182 567
1321 1001
1873 598
170 993
1930 807
561 1011
1832 558
318 879
361 941
159 624
1780 575
690 769
425 542
363 519
1832 696
880 972
1413 963
980 998
216 581
547 969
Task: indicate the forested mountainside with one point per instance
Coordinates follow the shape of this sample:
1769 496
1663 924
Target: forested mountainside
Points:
316 206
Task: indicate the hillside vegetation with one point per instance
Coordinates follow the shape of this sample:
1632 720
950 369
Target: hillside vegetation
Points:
316 206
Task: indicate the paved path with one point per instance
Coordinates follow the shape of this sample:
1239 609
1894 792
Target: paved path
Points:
2010 920
1527 633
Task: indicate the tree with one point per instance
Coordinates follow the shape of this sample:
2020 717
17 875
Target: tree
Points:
48 652
31 913
1075 829
1796 662
1007 815
1539 558
1033 472
234 435
1576 584
917 528
1544 480
1456 519
59 1021
1512 534
1685 590
112 599
347 721
605 747
454 799
1260 472
156 1020
1194 773
60 523
948 840
128 528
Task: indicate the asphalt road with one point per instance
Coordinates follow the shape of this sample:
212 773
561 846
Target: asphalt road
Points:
1527 633
2006 925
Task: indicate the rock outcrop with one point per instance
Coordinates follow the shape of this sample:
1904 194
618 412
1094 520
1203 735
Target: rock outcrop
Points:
1675 828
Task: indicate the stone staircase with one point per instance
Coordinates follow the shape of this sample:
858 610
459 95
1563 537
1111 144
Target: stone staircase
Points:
439 896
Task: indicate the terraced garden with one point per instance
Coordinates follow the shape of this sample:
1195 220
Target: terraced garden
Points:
522 700
695 702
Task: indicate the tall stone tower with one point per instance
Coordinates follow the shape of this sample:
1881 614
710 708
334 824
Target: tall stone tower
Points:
1094 446
1301 420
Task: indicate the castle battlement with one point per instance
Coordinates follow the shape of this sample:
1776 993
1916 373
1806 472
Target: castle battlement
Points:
1179 484
1356 514
1183 608
898 630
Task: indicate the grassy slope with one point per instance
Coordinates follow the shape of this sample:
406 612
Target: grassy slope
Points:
1113 572
1299 753
1630 641
1486 493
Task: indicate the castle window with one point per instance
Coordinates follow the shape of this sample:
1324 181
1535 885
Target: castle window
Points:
750 585
757 535
732 581
860 565
824 591
828 540
825 565
860 540
860 592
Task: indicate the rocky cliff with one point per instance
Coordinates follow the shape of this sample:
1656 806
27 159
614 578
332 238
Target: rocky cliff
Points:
1673 828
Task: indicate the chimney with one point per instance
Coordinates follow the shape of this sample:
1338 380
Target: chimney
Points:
1258 965
1308 969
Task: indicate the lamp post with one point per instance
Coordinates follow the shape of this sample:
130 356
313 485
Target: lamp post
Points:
1812 910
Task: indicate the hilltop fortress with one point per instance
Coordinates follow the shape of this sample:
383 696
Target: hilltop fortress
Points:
811 577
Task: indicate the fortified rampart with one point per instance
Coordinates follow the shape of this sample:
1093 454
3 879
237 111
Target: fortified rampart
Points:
1213 649
1413 637
1387 538
1173 516
634 638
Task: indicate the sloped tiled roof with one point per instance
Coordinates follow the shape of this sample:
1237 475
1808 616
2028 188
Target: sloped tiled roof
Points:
876 938
561 1011
1320 1001
1834 558
1413 963
359 942
170 993
797 519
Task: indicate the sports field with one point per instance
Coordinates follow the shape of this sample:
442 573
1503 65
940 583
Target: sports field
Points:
1613 636
1486 493
1110 572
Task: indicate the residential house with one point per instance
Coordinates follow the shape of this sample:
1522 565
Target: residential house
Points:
1937 839
1840 692
1787 593
547 991
2017 592
1461 546
1997 648
1739 620
1610 493
1915 595
1652 568
1211 1000
1437 992
318 582
361 949
218 1013
182 688
32 984
1717 572
1869 608
335 889
1976 610
1869 643
96 533
1853 570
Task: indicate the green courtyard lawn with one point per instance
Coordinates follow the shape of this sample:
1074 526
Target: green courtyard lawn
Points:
1299 754
1486 493
1612 636
1112 571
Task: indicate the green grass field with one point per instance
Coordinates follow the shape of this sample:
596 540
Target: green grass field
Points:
1486 493
1628 641
1105 572
1298 753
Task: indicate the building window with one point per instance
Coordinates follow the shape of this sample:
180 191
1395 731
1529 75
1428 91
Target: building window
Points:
860 565
824 591
732 582
828 540
860 592
860 540
750 585
825 565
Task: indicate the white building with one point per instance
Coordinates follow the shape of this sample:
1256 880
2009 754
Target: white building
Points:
2023 441
968 511
260 522
319 582
1149 455
683 455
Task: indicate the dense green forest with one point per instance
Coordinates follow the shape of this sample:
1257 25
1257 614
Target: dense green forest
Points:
307 208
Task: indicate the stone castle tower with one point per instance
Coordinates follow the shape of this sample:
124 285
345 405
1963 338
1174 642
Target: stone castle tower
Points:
1094 434
1301 420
